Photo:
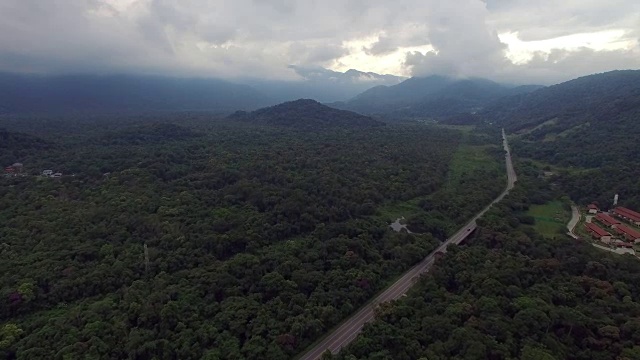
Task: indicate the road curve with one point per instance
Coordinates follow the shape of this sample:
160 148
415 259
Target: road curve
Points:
575 217
351 327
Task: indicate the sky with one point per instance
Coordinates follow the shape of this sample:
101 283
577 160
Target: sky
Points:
515 41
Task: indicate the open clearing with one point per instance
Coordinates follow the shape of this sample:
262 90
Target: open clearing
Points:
551 218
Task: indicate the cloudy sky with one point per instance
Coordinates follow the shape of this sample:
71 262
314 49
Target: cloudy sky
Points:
519 41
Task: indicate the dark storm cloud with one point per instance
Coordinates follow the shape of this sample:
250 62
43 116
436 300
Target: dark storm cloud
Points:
261 38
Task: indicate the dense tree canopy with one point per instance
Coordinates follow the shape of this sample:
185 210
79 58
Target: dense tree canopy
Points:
258 239
510 293
585 129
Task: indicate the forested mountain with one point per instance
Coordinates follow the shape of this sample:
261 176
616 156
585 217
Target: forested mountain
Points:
589 98
431 97
590 125
122 93
305 113
512 294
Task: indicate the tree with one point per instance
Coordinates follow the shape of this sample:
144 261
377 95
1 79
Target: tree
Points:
9 333
27 291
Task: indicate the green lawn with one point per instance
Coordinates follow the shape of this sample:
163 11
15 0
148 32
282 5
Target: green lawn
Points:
551 218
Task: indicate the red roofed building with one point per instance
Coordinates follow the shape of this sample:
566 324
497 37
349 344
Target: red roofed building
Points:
623 244
629 233
607 220
598 232
592 209
627 214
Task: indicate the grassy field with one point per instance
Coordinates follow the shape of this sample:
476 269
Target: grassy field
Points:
551 218
391 212
469 158
466 159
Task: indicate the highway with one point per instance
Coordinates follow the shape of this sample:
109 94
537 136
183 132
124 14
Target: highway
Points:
351 327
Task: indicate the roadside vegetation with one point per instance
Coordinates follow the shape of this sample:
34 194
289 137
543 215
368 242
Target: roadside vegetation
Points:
478 163
511 292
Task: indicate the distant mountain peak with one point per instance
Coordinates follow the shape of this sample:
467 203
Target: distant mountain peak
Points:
306 114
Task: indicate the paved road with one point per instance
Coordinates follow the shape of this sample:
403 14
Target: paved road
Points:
350 328
575 217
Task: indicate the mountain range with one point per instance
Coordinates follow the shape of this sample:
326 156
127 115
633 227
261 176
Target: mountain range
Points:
435 97
322 84
122 93
432 97
595 97
26 93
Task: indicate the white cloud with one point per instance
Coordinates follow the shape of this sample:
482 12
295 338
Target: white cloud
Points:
260 38
520 51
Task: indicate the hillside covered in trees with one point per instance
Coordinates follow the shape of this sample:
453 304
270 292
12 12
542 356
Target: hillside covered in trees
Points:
307 114
509 293
193 237
588 128
432 97
594 95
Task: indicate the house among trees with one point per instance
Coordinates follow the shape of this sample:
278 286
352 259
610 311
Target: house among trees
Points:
51 174
598 233
13 170
607 220
627 214
630 234
593 209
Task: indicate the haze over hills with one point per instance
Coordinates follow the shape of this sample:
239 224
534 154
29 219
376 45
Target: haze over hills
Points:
123 93
307 114
433 96
322 84
21 93
16 145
